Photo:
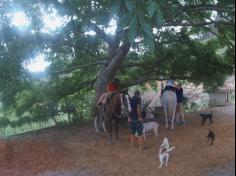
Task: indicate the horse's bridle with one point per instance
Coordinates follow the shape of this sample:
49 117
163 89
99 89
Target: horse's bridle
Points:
122 104
112 107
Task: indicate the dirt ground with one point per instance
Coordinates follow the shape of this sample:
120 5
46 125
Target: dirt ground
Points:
79 151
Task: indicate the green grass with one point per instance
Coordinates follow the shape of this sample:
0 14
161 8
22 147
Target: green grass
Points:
26 128
62 120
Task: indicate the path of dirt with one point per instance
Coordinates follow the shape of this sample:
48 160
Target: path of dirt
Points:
78 151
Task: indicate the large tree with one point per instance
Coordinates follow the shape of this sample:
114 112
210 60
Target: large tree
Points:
153 40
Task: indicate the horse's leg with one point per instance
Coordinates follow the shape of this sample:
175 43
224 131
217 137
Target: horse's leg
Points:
117 128
166 118
173 119
96 124
102 118
109 129
109 133
169 115
104 126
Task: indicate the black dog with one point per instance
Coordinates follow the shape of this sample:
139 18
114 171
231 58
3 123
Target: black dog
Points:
206 116
211 136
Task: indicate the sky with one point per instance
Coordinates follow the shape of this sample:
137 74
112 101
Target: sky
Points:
38 64
51 23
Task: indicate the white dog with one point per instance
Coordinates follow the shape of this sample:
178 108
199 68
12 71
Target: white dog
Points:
150 126
164 152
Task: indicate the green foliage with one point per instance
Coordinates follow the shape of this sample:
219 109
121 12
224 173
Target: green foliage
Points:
4 122
158 51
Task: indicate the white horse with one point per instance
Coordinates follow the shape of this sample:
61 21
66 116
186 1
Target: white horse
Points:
169 103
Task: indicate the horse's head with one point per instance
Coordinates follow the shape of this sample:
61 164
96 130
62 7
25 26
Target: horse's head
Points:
125 104
119 104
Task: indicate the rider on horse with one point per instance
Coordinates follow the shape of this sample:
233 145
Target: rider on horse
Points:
170 85
112 87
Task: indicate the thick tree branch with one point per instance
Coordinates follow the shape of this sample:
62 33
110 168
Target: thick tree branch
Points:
113 44
108 72
118 58
103 35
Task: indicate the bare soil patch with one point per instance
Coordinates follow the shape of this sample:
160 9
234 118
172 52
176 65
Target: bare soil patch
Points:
79 151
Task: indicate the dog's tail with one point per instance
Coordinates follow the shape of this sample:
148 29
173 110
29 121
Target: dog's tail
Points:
170 149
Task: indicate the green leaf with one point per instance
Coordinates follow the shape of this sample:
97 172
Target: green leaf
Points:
159 16
124 21
146 27
115 6
133 29
151 9
130 5
148 41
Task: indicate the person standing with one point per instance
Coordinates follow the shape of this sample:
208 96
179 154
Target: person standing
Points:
135 120
180 106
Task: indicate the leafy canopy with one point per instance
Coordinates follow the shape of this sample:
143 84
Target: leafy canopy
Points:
166 39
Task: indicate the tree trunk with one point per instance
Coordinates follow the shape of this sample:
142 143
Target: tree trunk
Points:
109 70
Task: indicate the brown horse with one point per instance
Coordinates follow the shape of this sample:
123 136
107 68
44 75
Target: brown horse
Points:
115 109
112 113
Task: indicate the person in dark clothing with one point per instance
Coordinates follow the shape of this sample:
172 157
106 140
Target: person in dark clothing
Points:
179 93
180 106
135 120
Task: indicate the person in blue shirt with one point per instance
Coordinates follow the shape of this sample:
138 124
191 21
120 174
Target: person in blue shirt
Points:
180 106
135 120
